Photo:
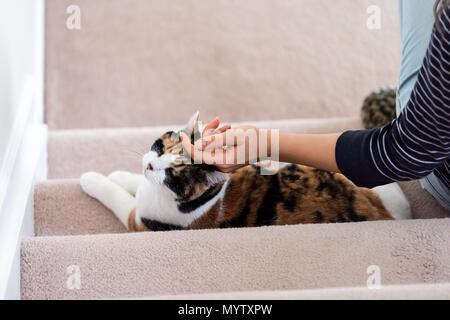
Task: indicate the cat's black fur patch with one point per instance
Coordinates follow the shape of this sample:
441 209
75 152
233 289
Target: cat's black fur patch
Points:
341 218
318 216
352 215
267 213
184 181
183 184
289 176
154 225
257 168
328 184
191 205
290 203
158 147
176 183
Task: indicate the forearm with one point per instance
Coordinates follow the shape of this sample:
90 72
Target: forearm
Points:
314 150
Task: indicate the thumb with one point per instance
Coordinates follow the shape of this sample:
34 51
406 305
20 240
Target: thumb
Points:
189 148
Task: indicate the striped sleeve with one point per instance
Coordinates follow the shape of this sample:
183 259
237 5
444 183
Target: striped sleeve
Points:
418 141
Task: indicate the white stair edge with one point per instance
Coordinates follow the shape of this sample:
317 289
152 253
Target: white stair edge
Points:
16 219
24 163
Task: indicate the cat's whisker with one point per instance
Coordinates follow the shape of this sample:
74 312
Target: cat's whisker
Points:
140 154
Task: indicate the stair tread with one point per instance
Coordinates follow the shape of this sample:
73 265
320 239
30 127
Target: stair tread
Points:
264 258
62 208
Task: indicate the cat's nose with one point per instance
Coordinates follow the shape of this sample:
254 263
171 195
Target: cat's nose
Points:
149 167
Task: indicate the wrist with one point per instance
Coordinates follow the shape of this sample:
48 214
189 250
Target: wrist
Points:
264 143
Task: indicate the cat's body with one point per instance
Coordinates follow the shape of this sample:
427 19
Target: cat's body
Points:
296 194
176 195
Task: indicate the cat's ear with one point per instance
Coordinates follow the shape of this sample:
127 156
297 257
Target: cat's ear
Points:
192 128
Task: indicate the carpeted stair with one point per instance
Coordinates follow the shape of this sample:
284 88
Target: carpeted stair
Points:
255 259
153 65
74 229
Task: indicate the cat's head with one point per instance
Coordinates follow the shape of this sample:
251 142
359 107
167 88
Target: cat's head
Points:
167 163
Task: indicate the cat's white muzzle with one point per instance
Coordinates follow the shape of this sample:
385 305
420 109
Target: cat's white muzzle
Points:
153 166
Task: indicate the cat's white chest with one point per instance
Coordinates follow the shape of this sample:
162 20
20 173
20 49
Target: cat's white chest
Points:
157 202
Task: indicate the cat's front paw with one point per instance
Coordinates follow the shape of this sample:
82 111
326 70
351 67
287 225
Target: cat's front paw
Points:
92 183
127 180
120 177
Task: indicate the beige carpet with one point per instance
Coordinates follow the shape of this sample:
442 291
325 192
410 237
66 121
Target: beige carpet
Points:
136 64
74 229
151 62
423 205
62 208
268 258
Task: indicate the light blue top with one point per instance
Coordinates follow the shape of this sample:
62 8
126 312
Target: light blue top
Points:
416 24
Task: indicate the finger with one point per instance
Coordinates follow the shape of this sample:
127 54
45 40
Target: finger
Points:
223 129
200 144
218 158
220 140
210 127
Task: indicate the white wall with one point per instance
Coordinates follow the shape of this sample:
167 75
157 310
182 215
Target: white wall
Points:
21 64
19 42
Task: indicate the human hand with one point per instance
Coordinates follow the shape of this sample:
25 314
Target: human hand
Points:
211 128
228 150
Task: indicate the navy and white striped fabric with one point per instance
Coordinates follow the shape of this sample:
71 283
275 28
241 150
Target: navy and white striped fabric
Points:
415 144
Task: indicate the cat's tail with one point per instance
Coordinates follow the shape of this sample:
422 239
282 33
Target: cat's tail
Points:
394 200
114 197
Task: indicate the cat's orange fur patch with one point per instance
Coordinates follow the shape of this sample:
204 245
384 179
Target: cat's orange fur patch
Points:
133 225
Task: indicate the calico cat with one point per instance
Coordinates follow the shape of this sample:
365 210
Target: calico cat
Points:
174 194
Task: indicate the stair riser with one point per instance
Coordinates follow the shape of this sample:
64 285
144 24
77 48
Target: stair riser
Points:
72 153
